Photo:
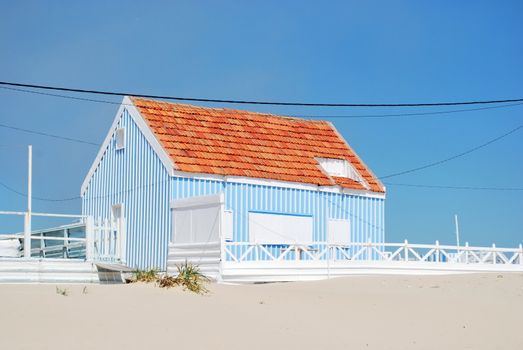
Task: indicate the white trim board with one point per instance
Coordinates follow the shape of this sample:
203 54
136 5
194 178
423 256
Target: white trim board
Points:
128 105
281 184
197 201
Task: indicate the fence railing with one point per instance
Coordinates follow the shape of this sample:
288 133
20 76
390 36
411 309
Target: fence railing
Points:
370 251
89 239
106 244
67 241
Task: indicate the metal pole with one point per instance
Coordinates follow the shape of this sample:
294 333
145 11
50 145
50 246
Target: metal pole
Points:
327 240
457 229
27 221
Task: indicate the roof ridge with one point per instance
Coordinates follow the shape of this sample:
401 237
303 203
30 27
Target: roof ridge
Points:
221 109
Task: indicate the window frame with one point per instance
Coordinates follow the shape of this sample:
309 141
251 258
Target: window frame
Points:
120 138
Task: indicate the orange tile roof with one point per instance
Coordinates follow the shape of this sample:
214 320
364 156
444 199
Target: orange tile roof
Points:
240 143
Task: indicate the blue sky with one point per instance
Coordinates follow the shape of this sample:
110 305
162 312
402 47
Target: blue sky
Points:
347 51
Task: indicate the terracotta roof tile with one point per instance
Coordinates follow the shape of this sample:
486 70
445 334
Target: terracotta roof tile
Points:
241 143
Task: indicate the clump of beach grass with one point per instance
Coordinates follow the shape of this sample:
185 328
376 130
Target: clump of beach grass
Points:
167 281
62 291
146 276
189 278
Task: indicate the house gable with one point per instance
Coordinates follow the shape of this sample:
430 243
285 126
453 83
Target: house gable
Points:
128 106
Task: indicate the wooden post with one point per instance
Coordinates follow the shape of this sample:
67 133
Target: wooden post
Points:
27 221
89 238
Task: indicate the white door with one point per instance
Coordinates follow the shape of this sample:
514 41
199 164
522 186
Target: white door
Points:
117 239
197 219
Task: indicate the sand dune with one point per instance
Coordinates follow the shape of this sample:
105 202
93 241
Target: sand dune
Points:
363 312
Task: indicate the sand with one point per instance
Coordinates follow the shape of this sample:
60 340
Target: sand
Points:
360 312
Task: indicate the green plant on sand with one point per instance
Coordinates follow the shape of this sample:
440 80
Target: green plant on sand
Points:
62 291
189 277
147 276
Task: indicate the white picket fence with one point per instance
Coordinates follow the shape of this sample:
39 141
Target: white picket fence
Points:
370 251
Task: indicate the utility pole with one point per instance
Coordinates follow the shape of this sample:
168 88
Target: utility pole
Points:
457 229
27 223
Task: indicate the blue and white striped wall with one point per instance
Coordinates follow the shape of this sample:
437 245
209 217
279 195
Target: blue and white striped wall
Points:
136 177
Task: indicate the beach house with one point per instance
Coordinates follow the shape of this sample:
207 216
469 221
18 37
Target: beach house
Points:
229 190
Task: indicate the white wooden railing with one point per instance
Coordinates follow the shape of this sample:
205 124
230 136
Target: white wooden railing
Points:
387 252
104 242
89 239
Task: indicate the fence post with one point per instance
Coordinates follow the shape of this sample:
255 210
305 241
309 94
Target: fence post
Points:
42 246
89 238
520 254
437 252
494 255
466 252
66 245
27 235
107 238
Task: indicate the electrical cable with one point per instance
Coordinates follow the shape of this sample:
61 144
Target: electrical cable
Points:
355 116
456 187
452 157
252 102
41 133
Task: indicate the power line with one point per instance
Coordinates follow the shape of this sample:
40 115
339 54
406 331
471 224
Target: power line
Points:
273 103
363 116
454 156
456 187
355 116
125 191
38 198
294 115
41 133
64 96
150 185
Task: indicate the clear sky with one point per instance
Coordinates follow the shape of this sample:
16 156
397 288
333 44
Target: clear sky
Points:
346 51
